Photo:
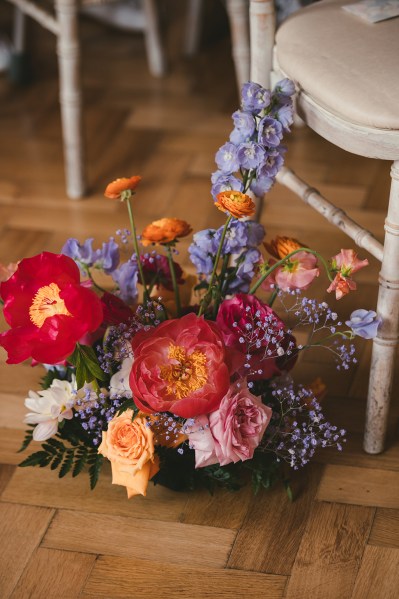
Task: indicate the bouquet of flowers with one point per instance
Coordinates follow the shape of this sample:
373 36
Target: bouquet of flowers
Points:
181 379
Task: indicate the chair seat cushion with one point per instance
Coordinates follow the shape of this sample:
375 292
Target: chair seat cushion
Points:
349 66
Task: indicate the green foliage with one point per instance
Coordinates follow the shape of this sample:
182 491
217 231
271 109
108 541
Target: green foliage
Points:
226 476
27 439
57 455
128 404
265 471
87 366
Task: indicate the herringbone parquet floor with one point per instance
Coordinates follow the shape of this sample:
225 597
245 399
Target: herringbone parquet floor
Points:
340 537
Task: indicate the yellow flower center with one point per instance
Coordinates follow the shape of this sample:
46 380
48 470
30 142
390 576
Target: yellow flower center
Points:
47 303
185 373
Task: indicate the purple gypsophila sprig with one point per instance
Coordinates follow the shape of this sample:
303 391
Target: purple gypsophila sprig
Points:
94 410
298 426
253 155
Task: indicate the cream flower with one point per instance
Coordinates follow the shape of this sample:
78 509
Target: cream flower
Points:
119 383
49 407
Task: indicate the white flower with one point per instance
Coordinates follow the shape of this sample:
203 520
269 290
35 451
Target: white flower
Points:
49 407
119 383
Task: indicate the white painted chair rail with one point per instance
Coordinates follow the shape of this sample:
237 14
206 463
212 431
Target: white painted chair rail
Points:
364 141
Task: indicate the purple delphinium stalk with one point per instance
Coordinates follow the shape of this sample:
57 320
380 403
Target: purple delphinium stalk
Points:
244 122
285 87
223 182
270 132
364 323
245 272
272 164
202 251
126 277
251 155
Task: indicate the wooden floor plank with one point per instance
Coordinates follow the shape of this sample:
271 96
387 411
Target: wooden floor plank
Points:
359 486
54 574
328 558
21 530
170 541
270 536
42 487
385 529
6 472
123 579
378 574
223 508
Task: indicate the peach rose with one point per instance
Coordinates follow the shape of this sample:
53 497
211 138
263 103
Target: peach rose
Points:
236 203
165 230
114 190
129 446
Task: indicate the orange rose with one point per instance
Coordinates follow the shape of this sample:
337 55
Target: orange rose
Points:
280 247
165 230
117 187
236 203
129 446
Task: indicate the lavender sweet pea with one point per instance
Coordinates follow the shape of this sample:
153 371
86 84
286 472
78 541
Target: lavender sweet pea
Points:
108 257
364 323
83 254
126 277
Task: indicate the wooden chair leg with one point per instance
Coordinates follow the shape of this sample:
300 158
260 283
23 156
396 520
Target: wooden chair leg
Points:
262 30
384 345
70 97
193 27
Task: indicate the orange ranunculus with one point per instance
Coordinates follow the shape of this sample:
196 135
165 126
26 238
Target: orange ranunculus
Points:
129 446
281 246
165 230
236 203
117 187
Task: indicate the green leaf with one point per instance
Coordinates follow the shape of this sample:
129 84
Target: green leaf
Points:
27 440
34 459
67 463
56 462
95 468
80 462
87 366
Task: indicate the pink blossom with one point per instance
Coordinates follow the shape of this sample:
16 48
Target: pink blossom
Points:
344 265
298 272
232 432
342 286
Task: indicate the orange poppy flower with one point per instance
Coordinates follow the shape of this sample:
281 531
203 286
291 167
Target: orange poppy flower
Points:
165 230
280 246
116 188
236 203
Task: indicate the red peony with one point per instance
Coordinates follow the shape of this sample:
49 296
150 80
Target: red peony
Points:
253 328
181 366
47 309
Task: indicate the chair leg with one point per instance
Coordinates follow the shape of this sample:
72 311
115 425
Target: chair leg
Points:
70 97
155 53
384 345
238 12
193 27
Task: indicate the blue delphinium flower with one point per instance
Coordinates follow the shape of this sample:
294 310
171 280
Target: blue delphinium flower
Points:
254 97
244 122
270 132
223 182
261 185
126 277
83 254
271 166
245 272
108 257
251 155
285 87
284 114
255 233
364 323
227 159
236 237
202 251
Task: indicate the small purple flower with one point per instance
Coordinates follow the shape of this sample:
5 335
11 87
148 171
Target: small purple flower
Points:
126 277
223 182
254 97
226 158
245 272
272 164
261 184
236 237
255 232
285 114
244 122
83 254
270 132
251 155
108 257
364 323
285 87
203 249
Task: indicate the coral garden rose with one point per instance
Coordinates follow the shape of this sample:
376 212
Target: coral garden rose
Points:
181 366
115 189
129 446
236 203
47 308
165 230
253 328
232 432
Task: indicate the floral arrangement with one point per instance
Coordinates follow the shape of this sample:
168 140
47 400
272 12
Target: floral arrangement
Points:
180 379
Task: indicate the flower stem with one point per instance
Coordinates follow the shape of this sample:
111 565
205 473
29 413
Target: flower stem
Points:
281 262
174 281
137 250
225 263
215 265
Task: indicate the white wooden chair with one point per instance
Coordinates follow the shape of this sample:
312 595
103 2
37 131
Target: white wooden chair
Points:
64 24
347 76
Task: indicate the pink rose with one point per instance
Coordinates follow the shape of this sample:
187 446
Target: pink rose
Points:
232 432
251 327
181 366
